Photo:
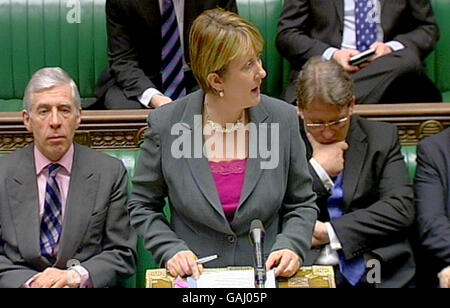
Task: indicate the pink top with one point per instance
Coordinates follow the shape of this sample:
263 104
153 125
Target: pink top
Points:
229 177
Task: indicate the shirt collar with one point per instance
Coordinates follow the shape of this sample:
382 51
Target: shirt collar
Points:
42 162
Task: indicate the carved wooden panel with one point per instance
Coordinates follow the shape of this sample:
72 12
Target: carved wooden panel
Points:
13 141
125 129
111 129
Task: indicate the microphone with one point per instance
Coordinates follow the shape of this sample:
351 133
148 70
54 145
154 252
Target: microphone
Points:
256 237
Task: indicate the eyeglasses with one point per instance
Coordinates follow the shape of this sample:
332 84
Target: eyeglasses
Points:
321 126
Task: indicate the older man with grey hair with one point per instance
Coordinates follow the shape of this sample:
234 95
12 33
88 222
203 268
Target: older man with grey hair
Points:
63 217
361 182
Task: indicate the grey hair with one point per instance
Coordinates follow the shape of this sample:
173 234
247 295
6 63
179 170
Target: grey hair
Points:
324 80
47 78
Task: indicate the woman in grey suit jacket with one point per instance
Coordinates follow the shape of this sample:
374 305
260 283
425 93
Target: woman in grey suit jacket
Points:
209 154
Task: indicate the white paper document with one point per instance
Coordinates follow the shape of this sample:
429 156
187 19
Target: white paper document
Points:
233 279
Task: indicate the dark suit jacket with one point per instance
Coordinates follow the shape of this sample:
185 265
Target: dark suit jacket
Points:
281 197
96 226
134 42
432 189
378 201
308 27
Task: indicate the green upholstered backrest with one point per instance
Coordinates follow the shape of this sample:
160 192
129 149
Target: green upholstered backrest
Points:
36 34
264 14
43 33
409 154
145 258
438 62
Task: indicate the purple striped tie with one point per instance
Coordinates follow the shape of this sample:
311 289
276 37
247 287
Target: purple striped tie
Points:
51 222
172 54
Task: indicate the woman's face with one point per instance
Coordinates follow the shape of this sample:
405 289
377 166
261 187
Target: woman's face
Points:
242 81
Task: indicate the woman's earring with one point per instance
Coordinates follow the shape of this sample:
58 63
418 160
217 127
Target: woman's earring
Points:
221 94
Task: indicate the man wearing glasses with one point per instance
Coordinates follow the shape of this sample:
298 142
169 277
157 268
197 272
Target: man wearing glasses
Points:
361 182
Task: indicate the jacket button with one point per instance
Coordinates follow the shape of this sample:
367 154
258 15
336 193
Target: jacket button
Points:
231 239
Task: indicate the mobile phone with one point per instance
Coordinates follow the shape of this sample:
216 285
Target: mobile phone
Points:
362 57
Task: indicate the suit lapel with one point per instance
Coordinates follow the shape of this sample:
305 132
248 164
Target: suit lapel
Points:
258 115
354 160
382 3
79 207
339 6
199 166
24 201
152 12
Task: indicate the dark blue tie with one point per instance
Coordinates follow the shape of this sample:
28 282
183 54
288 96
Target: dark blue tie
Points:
366 27
172 54
354 269
51 222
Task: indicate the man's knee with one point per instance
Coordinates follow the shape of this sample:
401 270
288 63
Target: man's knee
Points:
404 63
116 99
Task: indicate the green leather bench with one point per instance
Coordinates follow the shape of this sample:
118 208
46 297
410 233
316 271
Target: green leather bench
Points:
36 34
264 14
145 259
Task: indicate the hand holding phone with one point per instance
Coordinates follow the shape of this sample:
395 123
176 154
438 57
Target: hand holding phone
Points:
362 57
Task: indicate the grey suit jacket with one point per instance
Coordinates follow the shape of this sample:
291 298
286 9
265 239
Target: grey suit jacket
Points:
378 202
308 27
432 189
281 197
96 227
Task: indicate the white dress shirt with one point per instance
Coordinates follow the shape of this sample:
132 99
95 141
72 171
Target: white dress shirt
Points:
328 255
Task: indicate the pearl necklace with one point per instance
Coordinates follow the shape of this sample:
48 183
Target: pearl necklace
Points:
219 128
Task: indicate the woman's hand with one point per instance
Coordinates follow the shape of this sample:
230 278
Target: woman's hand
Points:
184 264
444 278
286 261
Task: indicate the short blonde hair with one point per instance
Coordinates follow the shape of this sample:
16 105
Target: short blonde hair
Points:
217 37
